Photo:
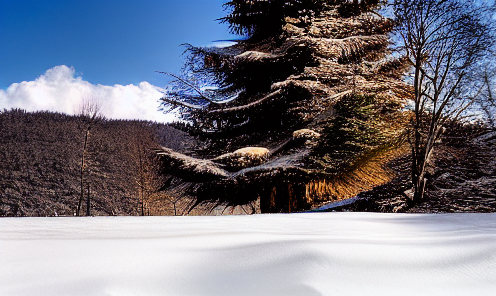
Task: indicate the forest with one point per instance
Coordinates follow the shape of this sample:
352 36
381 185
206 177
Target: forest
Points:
41 156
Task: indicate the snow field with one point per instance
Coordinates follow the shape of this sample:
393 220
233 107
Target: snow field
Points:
295 254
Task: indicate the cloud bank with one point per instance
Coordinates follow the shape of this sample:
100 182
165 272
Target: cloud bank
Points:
61 90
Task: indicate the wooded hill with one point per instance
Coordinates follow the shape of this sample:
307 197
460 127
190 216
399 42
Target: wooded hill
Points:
40 167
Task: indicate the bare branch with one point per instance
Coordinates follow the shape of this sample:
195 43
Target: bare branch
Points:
247 106
193 87
175 103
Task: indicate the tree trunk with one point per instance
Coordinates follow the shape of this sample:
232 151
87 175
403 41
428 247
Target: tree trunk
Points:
141 181
83 164
421 174
88 202
418 180
281 198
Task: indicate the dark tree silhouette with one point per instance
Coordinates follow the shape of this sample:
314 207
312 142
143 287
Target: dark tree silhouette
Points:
304 109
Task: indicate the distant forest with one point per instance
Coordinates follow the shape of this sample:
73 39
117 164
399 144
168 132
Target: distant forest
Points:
40 165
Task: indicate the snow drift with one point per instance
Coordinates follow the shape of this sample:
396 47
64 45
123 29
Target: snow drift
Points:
295 254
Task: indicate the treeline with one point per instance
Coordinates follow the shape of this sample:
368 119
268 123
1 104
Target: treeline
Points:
40 165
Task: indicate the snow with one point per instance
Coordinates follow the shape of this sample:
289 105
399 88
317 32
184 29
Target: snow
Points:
293 254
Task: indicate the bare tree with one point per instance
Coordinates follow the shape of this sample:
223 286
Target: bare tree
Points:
147 178
143 142
89 113
444 41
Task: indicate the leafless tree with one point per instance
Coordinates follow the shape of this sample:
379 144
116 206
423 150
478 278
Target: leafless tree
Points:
444 42
147 178
89 114
488 100
143 141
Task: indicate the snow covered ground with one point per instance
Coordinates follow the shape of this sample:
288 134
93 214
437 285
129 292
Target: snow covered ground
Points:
296 254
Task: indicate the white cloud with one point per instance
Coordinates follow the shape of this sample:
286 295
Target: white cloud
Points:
221 44
60 90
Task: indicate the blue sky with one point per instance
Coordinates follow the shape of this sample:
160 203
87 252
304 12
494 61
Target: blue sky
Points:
96 43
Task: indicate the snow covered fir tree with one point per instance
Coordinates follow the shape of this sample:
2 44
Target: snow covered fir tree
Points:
304 109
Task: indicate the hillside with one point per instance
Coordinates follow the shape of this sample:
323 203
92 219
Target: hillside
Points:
463 179
41 157
40 165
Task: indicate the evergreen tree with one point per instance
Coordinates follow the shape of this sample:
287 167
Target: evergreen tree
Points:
313 90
